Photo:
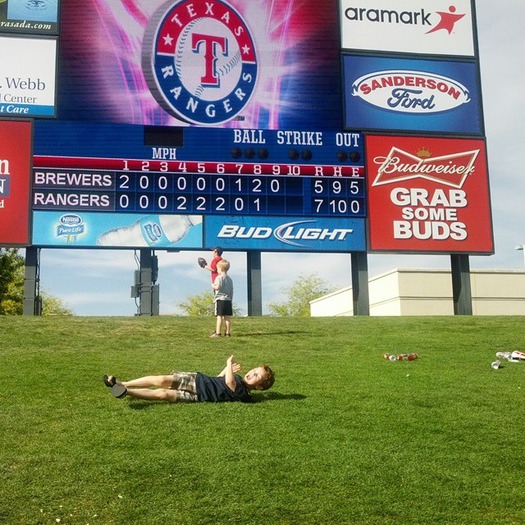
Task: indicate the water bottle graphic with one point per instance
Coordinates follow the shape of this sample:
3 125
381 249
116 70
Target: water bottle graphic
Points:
151 231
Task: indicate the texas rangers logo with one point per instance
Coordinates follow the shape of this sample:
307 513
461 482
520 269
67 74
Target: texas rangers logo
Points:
199 61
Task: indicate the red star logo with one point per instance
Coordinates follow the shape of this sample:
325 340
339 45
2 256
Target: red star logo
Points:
448 20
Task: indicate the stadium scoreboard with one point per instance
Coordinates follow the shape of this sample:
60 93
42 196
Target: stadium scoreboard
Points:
136 169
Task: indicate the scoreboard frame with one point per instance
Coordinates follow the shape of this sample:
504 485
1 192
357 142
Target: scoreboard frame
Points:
210 172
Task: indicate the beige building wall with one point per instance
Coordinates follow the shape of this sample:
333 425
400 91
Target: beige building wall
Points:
429 292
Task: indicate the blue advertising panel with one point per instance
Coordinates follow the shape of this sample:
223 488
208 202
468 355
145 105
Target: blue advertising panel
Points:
405 94
112 230
39 17
285 234
193 232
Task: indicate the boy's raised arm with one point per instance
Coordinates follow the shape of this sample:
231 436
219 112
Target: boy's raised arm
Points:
229 372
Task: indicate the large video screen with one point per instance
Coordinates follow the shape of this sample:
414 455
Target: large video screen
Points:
264 65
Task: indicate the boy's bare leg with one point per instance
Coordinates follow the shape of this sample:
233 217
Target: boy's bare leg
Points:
218 325
227 324
160 394
149 381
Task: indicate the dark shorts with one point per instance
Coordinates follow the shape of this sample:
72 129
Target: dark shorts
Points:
223 308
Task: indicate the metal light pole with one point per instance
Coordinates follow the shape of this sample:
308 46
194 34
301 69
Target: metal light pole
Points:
522 248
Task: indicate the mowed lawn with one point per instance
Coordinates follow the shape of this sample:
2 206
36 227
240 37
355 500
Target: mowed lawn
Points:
344 437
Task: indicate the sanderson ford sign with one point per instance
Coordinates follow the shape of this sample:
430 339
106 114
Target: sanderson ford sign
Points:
408 26
394 90
412 94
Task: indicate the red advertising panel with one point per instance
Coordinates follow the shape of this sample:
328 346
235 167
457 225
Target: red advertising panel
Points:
428 195
15 181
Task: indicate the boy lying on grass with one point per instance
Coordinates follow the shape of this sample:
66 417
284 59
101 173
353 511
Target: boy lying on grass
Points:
194 386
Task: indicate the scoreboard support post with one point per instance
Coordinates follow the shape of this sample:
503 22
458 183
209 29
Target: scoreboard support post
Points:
461 289
359 263
148 290
32 301
253 260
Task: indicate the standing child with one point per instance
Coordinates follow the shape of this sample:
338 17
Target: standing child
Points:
212 267
223 299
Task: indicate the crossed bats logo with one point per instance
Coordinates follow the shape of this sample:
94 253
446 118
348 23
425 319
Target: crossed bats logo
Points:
200 61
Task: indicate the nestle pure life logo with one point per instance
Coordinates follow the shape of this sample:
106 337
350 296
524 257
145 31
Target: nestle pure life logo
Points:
199 60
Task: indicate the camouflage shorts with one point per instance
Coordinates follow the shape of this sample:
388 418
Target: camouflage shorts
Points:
184 384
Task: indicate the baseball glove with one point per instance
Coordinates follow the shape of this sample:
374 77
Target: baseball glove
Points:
202 262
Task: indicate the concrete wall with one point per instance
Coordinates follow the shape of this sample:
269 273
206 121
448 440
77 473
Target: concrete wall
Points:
429 292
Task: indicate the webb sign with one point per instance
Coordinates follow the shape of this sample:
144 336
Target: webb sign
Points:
428 195
28 68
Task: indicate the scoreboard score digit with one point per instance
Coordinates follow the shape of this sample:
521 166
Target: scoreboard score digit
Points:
244 194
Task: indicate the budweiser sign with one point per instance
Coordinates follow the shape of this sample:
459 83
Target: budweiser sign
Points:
433 198
451 170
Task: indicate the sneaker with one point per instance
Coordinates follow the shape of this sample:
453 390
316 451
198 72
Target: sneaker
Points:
227 335
118 391
215 335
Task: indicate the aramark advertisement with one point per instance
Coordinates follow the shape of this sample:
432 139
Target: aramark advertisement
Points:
428 195
15 182
408 26
27 83
412 95
285 234
233 63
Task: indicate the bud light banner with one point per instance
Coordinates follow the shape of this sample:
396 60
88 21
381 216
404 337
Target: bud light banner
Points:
412 95
408 26
428 195
285 234
228 63
113 230
15 182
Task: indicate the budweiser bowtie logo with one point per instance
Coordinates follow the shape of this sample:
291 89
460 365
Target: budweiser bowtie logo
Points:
451 170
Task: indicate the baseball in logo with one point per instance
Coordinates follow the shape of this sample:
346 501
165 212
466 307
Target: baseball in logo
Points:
199 61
